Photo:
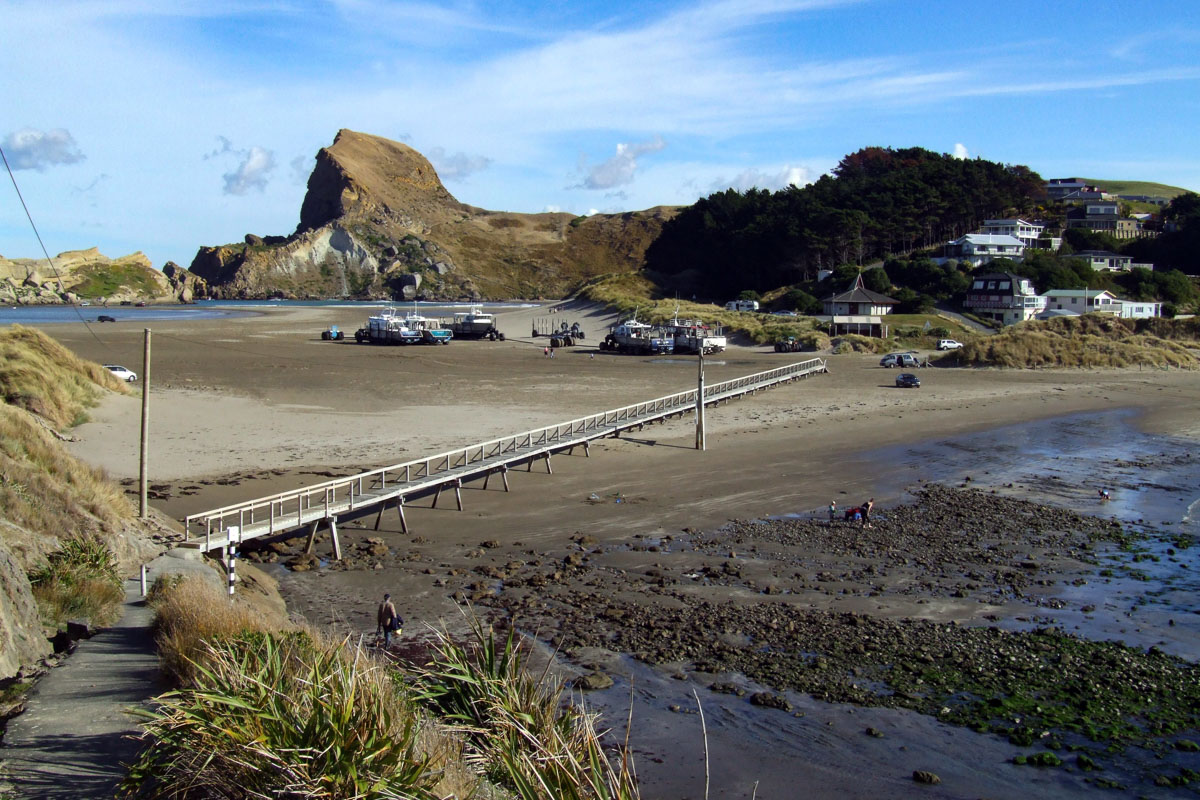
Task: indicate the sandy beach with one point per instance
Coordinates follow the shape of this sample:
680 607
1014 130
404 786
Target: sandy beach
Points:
241 408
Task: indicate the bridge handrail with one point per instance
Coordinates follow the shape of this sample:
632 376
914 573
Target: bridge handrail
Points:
541 435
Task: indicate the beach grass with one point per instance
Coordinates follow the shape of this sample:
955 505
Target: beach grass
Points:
43 377
1091 340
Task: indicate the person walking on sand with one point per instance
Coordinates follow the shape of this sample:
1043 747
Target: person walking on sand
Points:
546 352
832 511
866 513
387 621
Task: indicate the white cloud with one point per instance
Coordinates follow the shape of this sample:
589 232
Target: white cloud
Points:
552 209
758 179
33 149
456 166
960 150
619 170
251 173
302 167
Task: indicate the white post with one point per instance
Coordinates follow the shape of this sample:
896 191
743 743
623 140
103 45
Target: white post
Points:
234 534
143 580
700 399
143 480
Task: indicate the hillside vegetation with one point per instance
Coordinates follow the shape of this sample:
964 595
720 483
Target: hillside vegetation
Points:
1092 340
1136 187
67 534
877 201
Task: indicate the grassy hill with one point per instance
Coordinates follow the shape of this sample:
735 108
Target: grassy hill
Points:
1137 187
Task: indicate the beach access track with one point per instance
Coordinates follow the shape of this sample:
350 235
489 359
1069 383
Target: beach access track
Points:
375 490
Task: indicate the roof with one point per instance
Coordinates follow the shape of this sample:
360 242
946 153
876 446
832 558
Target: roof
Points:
1012 221
861 294
1099 254
990 238
1076 293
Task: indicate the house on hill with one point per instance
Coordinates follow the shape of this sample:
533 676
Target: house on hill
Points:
1003 297
1103 259
978 249
858 310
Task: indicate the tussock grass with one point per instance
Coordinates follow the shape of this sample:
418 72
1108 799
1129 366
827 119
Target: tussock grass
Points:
79 581
518 731
1091 340
45 378
190 612
853 343
286 715
627 293
46 490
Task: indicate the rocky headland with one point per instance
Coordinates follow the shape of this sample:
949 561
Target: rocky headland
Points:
377 223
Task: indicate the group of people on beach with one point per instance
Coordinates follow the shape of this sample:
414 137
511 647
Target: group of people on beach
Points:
860 514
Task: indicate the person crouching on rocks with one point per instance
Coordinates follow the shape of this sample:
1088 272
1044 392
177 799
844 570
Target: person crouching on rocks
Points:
387 621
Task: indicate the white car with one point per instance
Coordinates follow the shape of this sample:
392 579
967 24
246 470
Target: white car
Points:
948 344
127 375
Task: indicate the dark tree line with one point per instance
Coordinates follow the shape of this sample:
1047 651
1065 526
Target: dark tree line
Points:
877 202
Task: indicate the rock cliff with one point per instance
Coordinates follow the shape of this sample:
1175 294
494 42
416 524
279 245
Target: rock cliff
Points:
376 222
90 275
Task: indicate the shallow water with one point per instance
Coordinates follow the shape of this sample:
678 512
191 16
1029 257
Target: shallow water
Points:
1146 596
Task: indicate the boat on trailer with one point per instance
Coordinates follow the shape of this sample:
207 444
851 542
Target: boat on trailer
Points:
473 324
388 327
696 336
639 338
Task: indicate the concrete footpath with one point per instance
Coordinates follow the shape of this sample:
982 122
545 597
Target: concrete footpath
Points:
72 740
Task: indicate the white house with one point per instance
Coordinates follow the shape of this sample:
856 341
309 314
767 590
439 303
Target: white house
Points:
1004 297
1027 232
1084 301
980 248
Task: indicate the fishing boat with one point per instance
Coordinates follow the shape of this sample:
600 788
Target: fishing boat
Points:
696 336
430 330
386 327
473 324
640 338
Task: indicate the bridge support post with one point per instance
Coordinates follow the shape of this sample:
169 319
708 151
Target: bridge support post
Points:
486 478
504 475
436 496
312 536
549 471
379 516
337 546
458 493
529 465
587 450
400 511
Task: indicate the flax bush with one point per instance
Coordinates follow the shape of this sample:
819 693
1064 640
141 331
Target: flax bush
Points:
284 716
519 734
79 581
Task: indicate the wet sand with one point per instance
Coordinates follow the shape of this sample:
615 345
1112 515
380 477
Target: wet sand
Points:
240 409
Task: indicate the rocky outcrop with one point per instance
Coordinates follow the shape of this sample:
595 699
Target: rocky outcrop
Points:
186 287
22 641
84 275
376 222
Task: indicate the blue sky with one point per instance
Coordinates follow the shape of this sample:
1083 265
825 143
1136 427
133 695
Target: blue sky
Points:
164 126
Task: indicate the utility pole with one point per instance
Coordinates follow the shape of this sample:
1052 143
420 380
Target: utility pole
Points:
143 488
700 399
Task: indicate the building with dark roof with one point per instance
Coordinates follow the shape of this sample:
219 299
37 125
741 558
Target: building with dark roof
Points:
1004 297
858 310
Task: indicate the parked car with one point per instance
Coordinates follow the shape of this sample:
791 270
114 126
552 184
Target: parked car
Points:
784 314
948 344
899 360
906 380
123 373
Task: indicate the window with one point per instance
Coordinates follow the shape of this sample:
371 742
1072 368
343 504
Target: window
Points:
1004 285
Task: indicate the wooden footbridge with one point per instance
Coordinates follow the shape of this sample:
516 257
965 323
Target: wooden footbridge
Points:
376 490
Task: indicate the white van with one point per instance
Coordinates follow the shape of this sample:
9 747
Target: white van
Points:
742 305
